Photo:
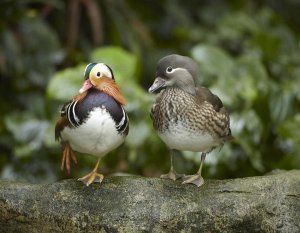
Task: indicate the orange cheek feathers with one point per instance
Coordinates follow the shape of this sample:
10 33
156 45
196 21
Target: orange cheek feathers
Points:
110 87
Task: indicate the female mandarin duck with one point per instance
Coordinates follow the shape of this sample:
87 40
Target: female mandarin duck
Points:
93 122
186 116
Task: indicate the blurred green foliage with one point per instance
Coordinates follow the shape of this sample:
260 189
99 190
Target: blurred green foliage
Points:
248 54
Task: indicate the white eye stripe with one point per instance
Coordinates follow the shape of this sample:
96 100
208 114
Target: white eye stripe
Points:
171 70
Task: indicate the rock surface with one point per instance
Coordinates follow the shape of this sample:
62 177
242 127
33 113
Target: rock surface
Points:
136 204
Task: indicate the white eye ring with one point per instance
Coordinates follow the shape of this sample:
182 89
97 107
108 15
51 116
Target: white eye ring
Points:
169 69
98 74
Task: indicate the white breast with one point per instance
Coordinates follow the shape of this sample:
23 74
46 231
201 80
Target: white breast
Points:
182 138
97 136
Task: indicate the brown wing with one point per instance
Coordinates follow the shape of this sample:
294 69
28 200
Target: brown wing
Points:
61 123
204 94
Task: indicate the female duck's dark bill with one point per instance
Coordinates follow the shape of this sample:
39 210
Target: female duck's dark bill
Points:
158 84
86 85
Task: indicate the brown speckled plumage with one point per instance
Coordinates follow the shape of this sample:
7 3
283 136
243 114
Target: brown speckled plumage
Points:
174 105
186 115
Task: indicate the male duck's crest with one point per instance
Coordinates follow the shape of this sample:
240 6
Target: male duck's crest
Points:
101 77
106 70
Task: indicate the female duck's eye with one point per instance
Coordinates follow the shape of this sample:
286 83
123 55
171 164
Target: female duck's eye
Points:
98 74
169 69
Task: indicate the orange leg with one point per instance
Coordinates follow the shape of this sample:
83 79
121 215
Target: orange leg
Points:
68 157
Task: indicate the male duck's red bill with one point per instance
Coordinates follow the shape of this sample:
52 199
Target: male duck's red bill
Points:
86 85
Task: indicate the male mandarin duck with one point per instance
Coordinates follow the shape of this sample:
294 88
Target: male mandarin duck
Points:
94 121
186 116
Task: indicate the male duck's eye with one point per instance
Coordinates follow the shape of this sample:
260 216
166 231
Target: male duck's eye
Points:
98 74
169 69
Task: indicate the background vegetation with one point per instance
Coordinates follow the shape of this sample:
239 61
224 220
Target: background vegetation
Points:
248 53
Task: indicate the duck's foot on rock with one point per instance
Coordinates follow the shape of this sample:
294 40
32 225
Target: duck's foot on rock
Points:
196 179
92 177
172 175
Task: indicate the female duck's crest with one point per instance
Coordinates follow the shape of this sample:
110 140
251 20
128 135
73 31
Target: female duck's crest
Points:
176 71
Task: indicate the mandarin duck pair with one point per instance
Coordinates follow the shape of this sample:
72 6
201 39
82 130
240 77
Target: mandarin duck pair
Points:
186 116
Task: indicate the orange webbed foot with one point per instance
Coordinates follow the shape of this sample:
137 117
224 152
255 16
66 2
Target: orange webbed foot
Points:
93 176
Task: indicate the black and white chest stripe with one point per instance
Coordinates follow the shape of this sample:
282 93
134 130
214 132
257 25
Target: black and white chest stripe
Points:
71 114
122 126
70 111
